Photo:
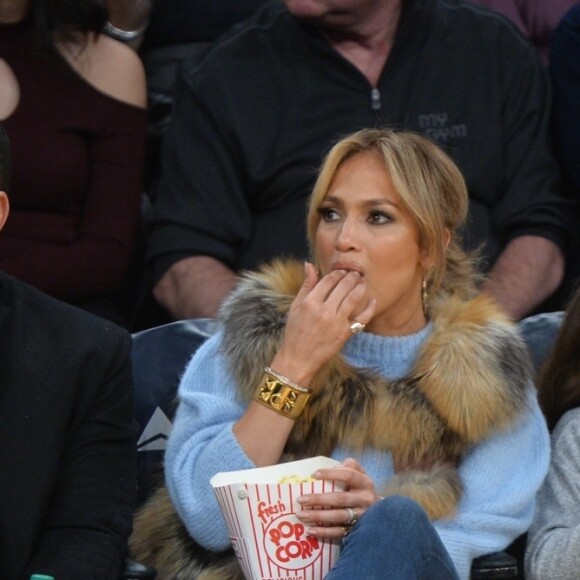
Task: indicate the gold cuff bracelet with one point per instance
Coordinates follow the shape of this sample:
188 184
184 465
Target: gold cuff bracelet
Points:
285 399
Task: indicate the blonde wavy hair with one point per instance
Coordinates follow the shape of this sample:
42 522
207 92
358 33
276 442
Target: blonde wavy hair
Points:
431 189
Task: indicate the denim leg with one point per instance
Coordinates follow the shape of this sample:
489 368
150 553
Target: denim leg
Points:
393 540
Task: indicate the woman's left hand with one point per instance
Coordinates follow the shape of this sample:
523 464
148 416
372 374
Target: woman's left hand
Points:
327 515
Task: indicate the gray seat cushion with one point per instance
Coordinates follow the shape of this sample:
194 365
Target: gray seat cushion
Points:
539 332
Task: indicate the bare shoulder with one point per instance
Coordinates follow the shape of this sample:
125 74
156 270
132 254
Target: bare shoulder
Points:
111 67
9 90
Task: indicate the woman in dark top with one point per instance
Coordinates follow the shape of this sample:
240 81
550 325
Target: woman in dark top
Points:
73 104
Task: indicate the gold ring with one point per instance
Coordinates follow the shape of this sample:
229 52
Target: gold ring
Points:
346 531
352 517
357 327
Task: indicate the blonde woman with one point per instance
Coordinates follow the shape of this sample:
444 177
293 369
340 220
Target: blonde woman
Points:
392 364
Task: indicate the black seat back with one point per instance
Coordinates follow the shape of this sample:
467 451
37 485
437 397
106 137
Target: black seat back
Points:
159 358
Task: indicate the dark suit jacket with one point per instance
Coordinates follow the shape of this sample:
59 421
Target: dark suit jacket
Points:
67 439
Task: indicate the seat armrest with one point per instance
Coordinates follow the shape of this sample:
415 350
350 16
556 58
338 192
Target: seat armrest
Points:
496 565
137 571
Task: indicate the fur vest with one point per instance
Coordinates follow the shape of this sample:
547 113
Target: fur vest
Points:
468 382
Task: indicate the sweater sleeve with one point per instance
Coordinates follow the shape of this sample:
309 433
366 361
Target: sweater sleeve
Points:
514 462
553 551
202 444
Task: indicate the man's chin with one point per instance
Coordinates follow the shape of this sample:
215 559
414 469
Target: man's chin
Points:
309 10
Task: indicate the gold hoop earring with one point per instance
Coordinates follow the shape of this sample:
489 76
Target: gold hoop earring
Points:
424 297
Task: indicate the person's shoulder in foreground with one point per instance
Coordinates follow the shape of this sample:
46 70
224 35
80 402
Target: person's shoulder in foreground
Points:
68 407
554 537
553 540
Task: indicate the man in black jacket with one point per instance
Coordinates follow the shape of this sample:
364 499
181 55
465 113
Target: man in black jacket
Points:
254 117
67 440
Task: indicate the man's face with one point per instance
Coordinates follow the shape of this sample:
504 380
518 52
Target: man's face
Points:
332 12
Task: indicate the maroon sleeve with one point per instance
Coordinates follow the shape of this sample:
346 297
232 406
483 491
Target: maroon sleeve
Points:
94 258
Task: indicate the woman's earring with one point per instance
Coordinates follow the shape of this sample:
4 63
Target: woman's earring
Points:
424 296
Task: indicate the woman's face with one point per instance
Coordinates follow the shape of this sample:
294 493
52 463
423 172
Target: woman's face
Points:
364 227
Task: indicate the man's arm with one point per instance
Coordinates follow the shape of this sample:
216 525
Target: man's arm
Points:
529 270
201 209
194 287
530 211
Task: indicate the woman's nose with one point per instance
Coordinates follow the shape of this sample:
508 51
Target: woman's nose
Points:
347 238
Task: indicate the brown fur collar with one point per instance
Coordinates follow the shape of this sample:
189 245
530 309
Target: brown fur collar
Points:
469 381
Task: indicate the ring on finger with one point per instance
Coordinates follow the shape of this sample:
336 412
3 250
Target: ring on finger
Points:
352 517
346 531
357 327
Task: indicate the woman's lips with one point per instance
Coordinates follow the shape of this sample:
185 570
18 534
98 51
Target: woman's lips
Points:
348 267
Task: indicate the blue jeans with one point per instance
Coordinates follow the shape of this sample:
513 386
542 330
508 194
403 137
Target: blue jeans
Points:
393 540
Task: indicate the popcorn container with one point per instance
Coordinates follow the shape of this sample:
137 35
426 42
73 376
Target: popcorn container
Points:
259 507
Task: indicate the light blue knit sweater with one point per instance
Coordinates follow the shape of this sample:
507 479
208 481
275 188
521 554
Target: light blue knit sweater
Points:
501 476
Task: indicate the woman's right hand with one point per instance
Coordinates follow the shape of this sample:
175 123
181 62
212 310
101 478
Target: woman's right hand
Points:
318 326
319 322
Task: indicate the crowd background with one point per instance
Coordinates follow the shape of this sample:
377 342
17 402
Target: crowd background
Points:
103 230
122 113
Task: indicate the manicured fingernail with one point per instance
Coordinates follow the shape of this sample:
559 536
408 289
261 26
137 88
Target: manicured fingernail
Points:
301 499
316 475
311 532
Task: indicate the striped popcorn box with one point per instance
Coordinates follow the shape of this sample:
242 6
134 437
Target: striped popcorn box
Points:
259 507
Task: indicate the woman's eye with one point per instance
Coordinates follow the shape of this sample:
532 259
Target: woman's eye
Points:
328 214
379 217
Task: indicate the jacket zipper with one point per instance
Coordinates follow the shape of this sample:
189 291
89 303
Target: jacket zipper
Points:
375 99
